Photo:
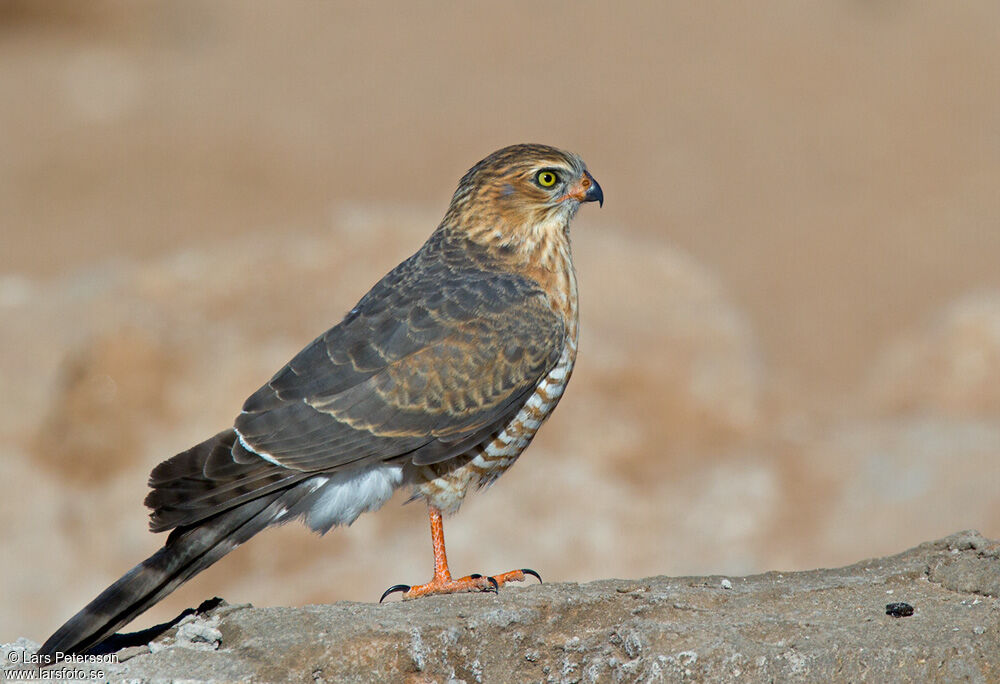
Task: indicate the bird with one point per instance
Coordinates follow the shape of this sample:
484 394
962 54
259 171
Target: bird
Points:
436 381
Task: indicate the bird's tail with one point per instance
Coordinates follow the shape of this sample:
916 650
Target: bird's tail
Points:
188 551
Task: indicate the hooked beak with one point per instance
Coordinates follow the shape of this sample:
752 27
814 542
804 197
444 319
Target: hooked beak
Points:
587 190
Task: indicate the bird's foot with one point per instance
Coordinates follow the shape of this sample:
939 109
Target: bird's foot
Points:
446 585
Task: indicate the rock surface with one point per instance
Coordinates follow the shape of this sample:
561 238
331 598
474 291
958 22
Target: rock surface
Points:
819 625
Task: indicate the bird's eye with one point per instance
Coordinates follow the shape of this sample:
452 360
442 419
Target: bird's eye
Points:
546 178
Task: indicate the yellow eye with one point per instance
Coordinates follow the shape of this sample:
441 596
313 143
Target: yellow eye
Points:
546 178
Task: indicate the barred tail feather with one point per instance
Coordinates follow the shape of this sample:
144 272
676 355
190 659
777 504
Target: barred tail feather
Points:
188 551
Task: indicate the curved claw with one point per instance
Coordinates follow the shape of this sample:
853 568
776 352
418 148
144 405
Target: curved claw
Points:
394 588
496 585
529 571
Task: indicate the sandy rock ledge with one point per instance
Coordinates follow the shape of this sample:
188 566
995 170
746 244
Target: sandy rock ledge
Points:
820 625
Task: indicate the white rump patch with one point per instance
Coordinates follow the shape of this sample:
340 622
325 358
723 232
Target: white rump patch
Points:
339 499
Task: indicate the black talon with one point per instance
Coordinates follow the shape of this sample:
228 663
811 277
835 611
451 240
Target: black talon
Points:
396 587
529 571
496 586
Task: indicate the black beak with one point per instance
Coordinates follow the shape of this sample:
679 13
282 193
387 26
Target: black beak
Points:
594 192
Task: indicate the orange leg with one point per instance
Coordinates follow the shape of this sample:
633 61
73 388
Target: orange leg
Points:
442 583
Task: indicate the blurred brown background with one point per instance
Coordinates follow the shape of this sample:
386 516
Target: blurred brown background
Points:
790 351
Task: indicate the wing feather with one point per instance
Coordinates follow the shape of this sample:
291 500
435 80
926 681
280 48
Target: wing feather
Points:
435 358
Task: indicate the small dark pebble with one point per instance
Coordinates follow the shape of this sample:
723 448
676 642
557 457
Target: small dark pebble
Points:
898 610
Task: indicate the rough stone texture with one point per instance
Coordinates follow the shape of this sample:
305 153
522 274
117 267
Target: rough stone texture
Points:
819 626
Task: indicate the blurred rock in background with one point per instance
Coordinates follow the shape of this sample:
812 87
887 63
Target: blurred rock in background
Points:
790 351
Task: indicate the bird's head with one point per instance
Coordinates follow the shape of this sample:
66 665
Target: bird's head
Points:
521 195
